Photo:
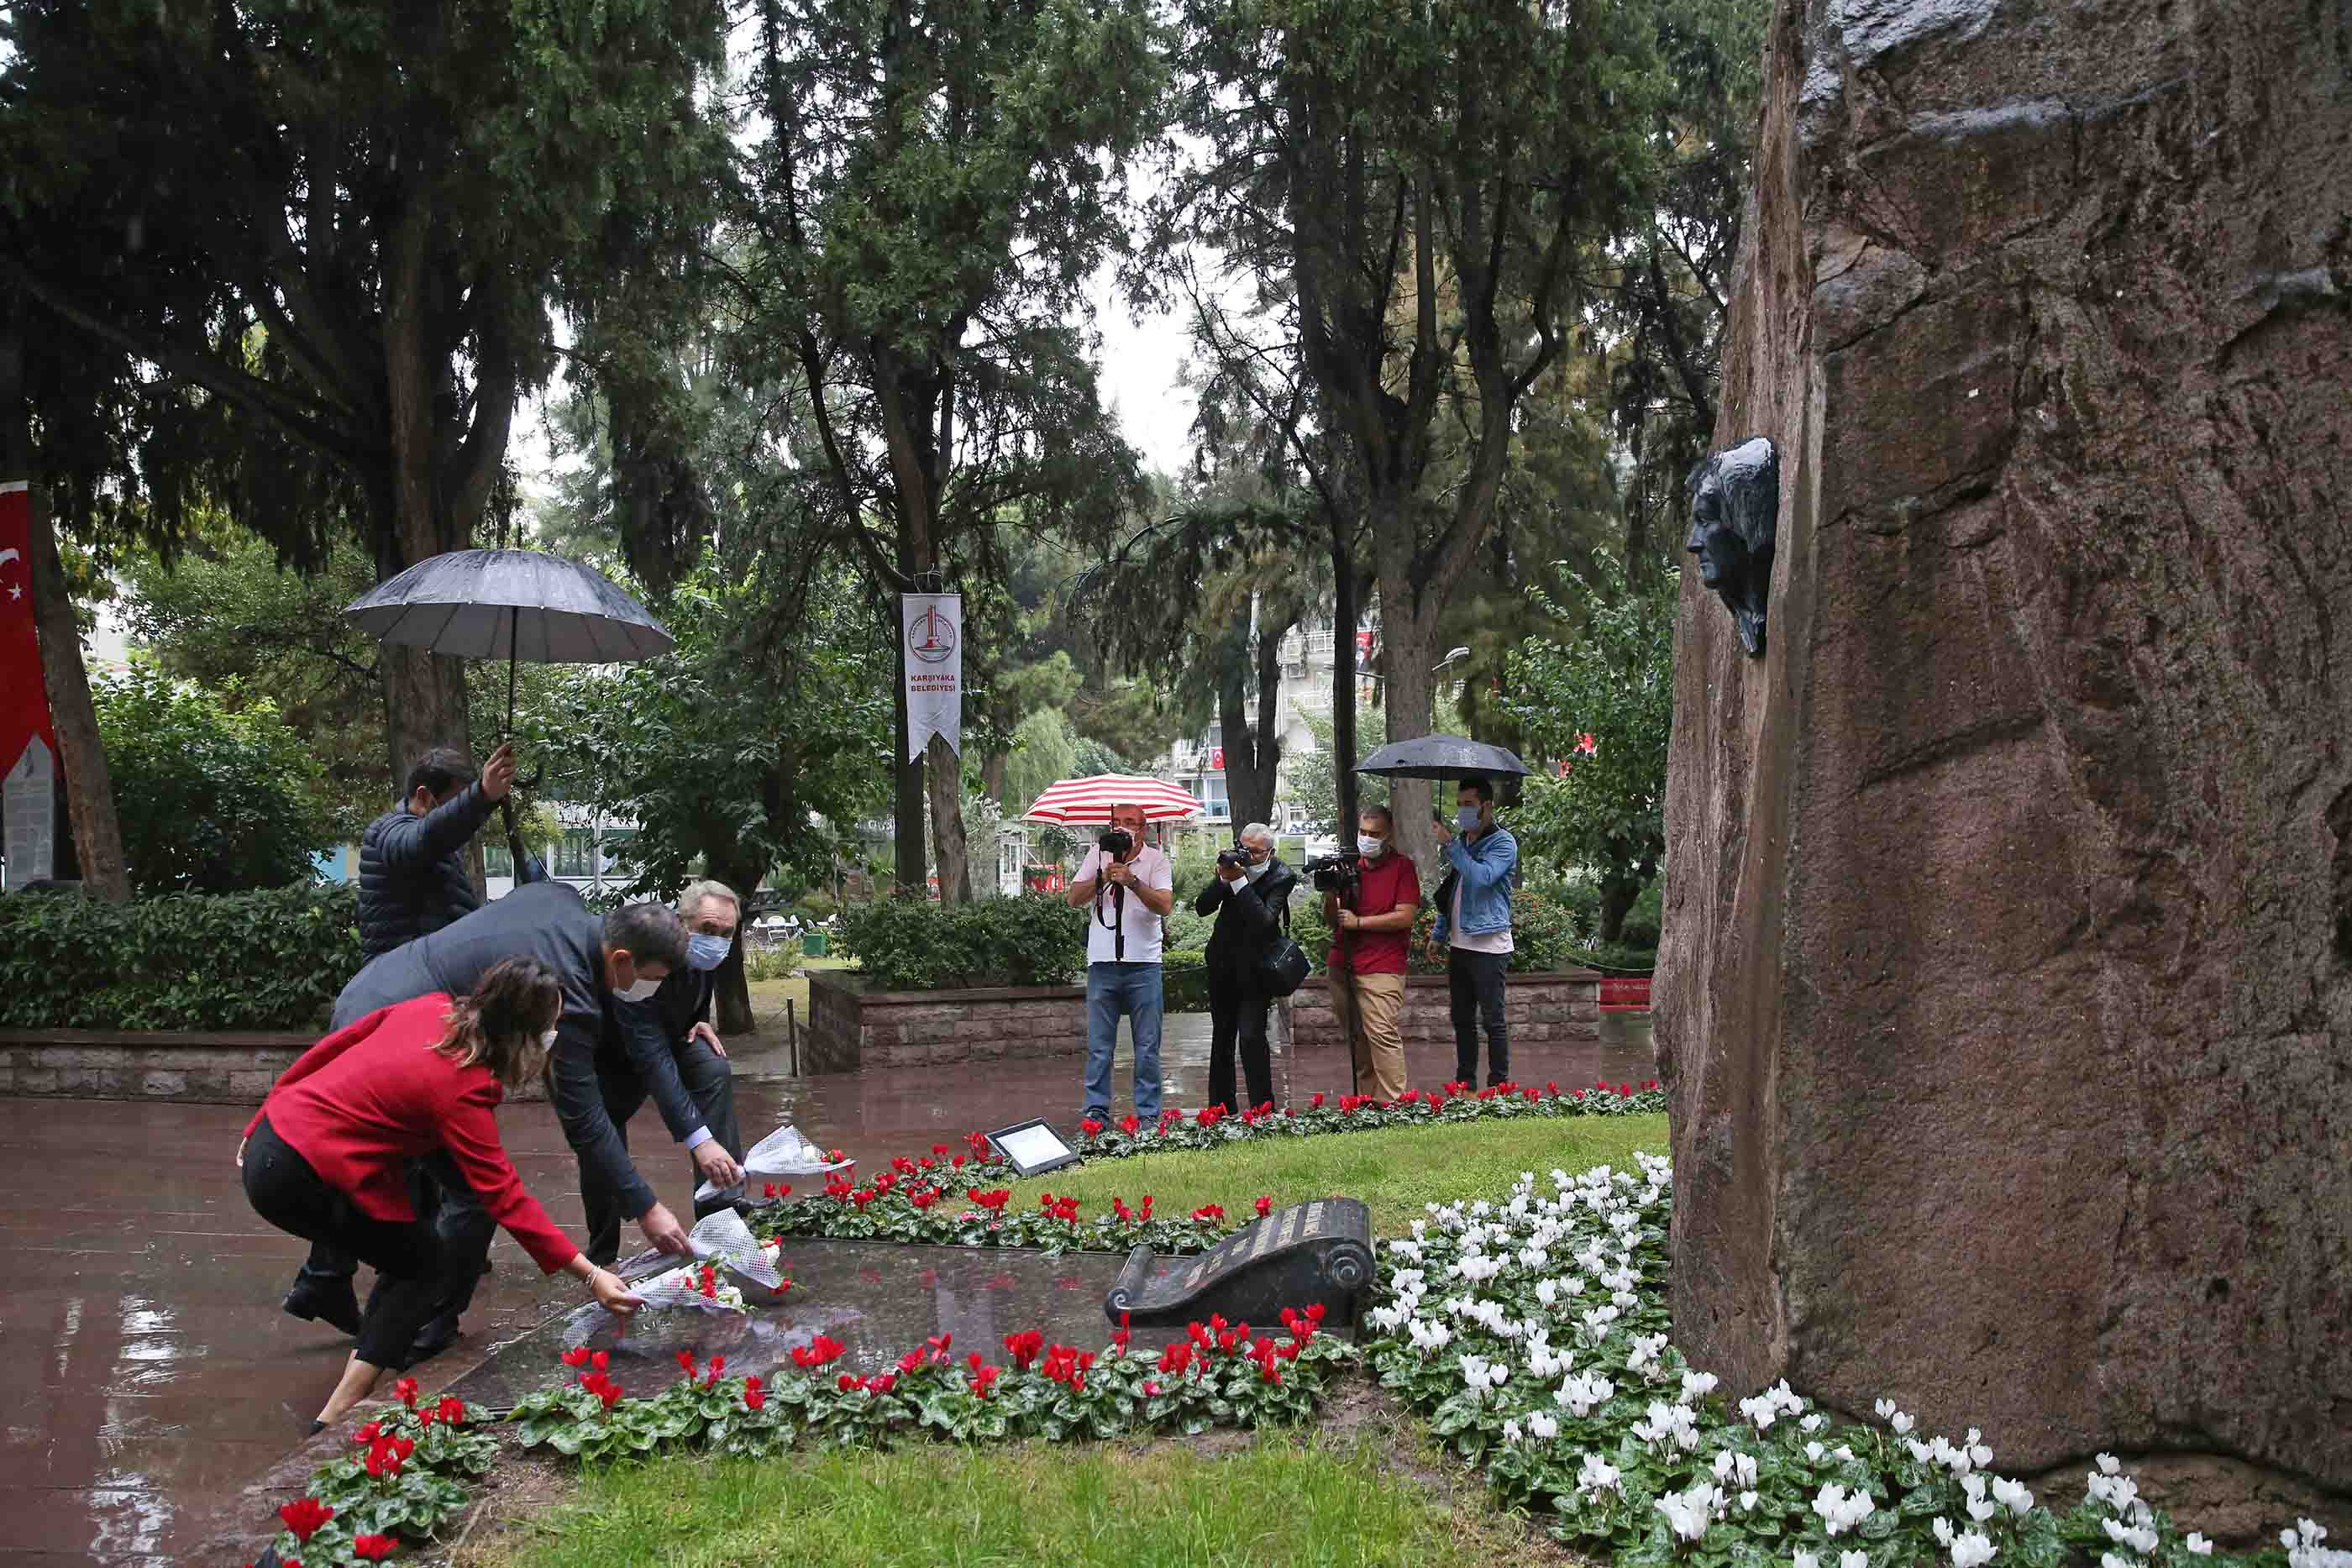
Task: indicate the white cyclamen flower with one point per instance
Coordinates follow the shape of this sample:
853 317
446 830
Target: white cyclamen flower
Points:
2138 1538
1543 1425
1511 1431
1690 1512
1971 1551
1698 1385
2013 1496
1814 1451
2197 1545
1804 1560
1842 1511
1597 1477
1813 1423
1854 1560
2109 1465
1748 1501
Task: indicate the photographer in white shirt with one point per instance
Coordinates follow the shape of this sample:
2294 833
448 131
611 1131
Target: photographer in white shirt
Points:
1128 887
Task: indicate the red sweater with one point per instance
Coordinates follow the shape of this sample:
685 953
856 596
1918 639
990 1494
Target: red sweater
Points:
373 1094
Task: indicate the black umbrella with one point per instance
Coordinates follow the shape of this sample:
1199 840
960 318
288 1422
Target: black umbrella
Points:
1442 756
515 603
519 604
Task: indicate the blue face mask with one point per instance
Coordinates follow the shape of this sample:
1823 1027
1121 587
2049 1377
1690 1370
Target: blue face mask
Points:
705 952
1467 820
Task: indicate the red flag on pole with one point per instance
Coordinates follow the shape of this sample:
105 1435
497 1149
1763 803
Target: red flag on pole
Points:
24 699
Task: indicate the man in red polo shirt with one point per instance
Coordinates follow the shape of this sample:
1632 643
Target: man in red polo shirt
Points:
1372 930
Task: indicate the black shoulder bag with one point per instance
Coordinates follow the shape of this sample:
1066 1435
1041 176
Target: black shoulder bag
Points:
1285 965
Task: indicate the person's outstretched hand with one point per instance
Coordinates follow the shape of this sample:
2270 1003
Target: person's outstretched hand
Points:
717 1166
612 1294
663 1230
498 773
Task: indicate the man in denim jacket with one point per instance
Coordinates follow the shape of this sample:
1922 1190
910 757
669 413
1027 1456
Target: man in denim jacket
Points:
1474 928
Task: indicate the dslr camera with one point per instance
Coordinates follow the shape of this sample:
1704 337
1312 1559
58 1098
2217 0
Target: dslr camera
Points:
1233 857
1117 843
1335 872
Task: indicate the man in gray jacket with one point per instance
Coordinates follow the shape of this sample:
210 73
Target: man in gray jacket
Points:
608 1052
413 876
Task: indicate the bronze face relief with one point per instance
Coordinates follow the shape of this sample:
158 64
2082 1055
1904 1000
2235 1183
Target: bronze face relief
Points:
1734 497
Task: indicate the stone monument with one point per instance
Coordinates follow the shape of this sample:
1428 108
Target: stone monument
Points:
2006 997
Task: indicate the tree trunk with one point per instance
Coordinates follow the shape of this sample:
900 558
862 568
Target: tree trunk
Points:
943 778
82 757
730 996
1618 894
1343 680
1253 752
993 769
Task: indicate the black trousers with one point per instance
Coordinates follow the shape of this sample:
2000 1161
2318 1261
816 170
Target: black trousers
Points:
417 1263
1474 983
444 1200
1238 1020
707 1077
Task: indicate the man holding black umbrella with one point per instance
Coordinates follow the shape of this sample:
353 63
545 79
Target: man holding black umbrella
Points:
1474 928
413 876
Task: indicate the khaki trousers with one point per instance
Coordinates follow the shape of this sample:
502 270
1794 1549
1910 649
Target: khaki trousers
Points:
1370 1010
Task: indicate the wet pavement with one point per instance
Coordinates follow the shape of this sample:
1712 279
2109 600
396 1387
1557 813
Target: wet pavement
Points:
147 1377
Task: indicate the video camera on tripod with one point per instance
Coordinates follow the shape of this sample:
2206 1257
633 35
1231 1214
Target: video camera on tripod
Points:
1337 873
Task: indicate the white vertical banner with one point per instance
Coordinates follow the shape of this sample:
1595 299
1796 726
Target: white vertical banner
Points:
931 625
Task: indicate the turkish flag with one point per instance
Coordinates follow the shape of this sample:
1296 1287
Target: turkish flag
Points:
24 700
1217 759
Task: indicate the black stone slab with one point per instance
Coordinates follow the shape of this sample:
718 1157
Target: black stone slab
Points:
880 1299
1311 1253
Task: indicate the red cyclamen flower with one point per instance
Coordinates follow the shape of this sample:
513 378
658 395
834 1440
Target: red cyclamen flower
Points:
1264 1206
373 1548
576 1356
304 1517
406 1389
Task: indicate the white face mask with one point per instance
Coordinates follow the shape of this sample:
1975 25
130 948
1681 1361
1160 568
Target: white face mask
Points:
1260 869
1370 847
637 992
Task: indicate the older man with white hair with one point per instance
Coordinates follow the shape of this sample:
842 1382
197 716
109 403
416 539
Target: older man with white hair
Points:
1250 896
695 1095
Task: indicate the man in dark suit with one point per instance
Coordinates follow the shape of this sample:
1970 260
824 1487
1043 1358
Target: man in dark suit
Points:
605 1051
1250 896
413 876
682 1008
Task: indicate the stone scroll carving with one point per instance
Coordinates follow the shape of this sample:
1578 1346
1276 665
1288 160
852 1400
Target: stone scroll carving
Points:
1735 499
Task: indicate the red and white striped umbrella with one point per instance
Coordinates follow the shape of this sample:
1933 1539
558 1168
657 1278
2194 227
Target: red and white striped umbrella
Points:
1084 801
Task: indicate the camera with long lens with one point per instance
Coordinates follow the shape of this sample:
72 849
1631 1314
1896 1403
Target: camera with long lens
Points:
1234 857
1117 843
1335 872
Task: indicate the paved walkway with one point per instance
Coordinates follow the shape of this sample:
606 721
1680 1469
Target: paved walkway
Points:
146 1374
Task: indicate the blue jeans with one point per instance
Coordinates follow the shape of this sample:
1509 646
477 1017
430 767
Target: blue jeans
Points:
1113 990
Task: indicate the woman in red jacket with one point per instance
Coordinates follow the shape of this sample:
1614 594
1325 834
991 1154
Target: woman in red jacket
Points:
325 1157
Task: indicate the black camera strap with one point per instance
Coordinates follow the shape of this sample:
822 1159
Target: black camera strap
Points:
1118 921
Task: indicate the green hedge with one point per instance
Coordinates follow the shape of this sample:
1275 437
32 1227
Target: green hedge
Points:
915 944
268 960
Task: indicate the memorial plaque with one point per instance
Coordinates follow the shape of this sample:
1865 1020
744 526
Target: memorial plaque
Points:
1308 1254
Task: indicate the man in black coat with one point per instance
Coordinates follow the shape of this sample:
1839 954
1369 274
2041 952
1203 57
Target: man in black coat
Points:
1250 896
413 876
607 1050
681 1011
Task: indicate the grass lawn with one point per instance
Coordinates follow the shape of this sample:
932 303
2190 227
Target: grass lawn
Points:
1396 1171
1365 1486
1284 1497
768 997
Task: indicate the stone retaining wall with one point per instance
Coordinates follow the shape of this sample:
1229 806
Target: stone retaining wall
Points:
850 1029
231 1069
1541 1009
